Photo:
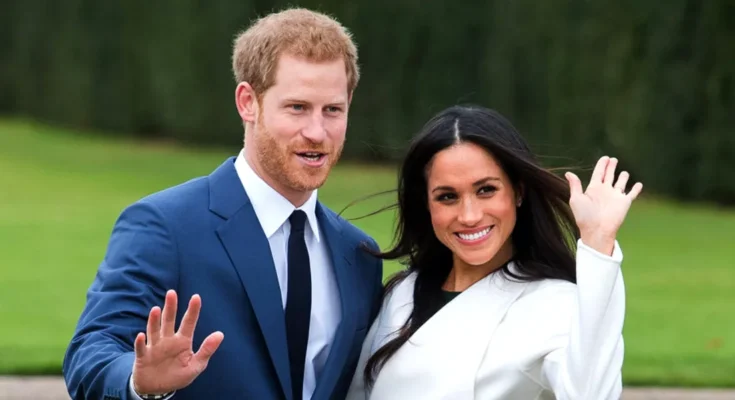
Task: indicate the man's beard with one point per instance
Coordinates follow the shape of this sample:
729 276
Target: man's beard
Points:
278 161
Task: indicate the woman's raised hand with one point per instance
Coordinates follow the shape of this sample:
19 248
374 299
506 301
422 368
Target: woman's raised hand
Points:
601 209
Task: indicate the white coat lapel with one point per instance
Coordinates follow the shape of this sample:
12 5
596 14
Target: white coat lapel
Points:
440 361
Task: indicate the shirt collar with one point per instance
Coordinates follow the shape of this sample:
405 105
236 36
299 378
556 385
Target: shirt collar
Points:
271 208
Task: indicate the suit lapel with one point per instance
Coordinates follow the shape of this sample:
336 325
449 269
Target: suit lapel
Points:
442 358
343 258
248 249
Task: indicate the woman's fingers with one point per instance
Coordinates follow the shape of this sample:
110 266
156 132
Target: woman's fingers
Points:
622 181
599 172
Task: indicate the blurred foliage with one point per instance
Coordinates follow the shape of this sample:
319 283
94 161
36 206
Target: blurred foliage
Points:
649 82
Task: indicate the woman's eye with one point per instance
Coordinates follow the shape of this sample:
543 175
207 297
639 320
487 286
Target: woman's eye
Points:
446 197
487 189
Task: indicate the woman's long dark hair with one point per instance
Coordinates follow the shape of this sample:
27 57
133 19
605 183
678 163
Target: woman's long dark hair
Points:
544 236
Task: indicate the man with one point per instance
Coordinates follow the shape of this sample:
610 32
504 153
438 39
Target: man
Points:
285 287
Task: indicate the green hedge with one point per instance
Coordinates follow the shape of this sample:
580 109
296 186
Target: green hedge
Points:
651 82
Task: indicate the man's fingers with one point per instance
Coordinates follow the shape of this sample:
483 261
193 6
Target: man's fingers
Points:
206 350
635 191
139 345
189 321
168 321
575 185
153 330
599 171
609 177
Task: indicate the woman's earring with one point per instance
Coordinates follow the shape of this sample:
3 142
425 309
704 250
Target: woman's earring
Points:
520 201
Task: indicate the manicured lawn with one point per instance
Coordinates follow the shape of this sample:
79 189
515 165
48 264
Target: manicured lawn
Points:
60 194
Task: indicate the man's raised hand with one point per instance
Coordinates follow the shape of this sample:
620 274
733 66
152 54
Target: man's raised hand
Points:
166 361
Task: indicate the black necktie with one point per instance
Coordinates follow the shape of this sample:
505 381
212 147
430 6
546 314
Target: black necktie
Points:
298 301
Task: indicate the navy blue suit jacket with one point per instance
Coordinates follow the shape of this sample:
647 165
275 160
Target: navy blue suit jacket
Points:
203 237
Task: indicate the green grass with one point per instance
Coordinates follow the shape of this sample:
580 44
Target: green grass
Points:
61 193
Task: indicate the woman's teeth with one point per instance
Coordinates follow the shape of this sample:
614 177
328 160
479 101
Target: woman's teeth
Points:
474 236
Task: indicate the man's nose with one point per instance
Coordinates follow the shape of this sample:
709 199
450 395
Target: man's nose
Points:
315 131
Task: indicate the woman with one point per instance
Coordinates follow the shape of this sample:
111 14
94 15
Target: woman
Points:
497 303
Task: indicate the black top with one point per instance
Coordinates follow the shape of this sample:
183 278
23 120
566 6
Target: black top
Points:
448 296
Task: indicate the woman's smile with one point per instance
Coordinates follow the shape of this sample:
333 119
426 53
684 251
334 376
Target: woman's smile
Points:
474 236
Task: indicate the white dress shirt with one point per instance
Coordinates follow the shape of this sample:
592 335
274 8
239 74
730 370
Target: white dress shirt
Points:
273 211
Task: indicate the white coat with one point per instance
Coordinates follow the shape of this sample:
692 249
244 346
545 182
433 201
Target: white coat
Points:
504 339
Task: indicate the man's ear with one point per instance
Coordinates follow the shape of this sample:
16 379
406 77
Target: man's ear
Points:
246 102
